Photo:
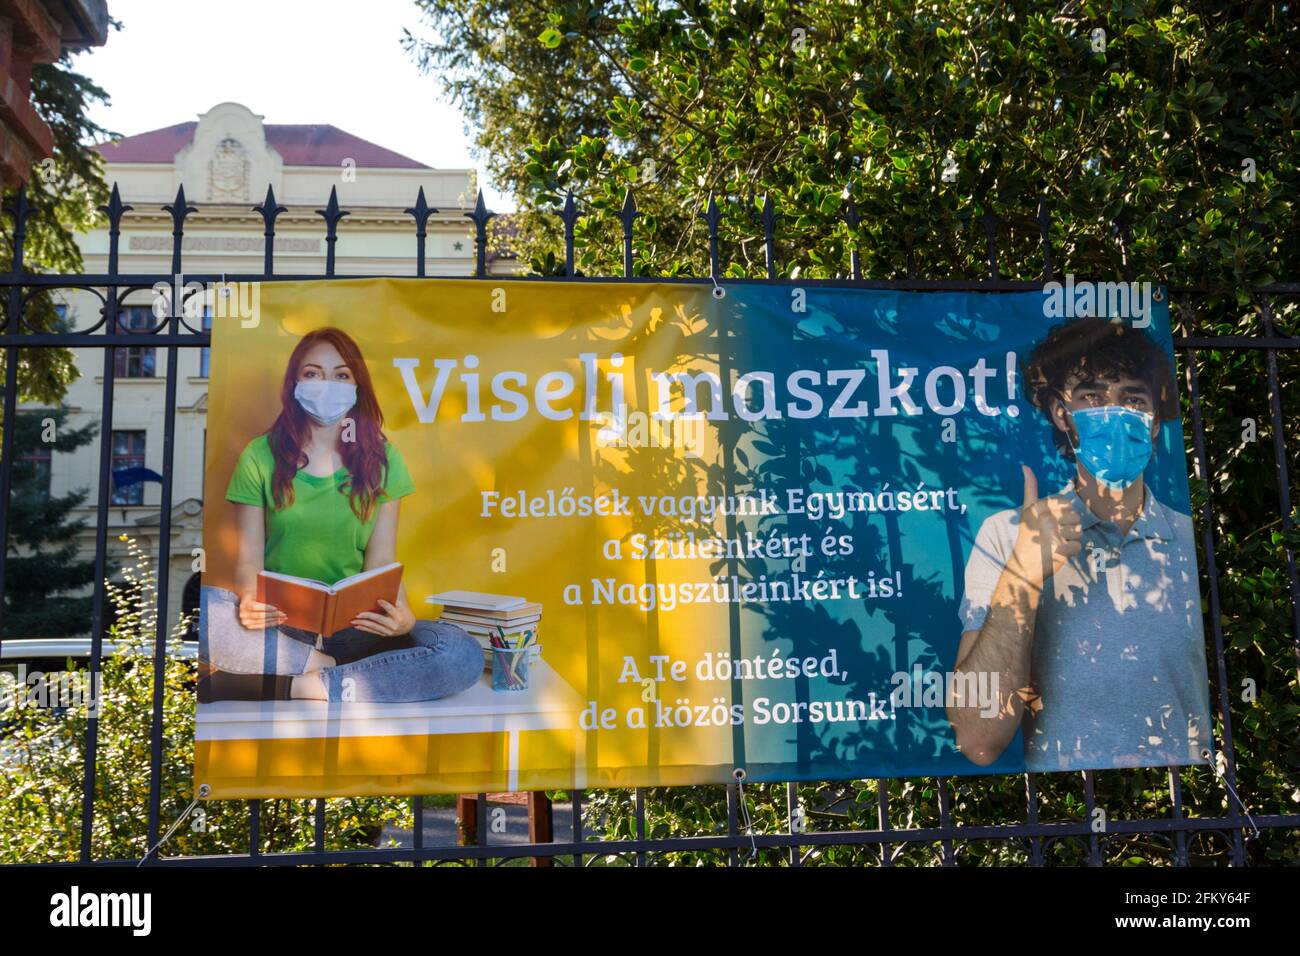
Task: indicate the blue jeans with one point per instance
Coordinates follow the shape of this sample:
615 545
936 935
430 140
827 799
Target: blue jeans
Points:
436 659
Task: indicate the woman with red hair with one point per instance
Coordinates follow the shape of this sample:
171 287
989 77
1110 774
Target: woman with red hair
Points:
317 496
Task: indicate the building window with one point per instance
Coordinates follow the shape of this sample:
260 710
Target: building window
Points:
128 452
204 352
134 362
38 461
190 600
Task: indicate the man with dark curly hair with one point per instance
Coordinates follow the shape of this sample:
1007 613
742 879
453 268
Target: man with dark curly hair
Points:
1083 607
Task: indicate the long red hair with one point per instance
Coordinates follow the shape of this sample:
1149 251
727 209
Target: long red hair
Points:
365 458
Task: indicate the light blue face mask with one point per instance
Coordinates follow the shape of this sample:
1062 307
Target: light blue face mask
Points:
324 401
1114 443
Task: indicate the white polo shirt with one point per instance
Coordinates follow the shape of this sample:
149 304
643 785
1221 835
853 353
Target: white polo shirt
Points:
1119 644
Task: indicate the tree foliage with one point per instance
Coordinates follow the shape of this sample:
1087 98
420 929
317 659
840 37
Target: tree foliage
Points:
44 569
806 101
42 751
1161 140
64 195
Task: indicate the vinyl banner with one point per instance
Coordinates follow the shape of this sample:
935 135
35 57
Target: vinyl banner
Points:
478 535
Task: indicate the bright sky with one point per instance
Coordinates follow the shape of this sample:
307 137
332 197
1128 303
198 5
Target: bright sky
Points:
293 61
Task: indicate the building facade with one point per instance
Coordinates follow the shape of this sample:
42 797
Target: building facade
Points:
226 160
31 32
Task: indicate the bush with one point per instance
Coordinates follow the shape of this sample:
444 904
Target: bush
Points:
42 758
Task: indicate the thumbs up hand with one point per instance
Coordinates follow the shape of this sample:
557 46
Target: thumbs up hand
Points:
1050 534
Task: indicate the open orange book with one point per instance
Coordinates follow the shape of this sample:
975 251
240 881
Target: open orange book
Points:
326 609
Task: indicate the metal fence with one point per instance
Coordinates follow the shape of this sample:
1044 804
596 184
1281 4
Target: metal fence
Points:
174 333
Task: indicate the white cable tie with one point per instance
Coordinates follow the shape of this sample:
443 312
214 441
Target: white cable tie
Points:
203 792
1233 791
739 774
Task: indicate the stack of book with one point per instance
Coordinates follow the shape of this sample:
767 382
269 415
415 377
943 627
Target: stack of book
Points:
514 620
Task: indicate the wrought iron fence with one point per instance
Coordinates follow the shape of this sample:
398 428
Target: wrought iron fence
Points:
174 333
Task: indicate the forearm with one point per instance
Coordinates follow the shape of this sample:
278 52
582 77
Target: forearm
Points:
246 576
249 554
382 551
1003 652
248 565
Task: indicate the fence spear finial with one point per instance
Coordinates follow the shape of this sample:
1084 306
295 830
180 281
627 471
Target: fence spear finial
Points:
331 214
628 214
180 208
421 212
712 217
269 210
480 217
569 216
769 235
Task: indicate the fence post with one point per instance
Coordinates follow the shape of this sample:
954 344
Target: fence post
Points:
420 211
172 324
480 216
19 211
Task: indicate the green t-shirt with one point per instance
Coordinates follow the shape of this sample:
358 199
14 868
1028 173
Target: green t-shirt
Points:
318 536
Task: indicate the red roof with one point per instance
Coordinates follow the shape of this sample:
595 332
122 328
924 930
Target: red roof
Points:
300 144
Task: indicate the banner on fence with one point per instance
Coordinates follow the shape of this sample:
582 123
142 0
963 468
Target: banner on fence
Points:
467 536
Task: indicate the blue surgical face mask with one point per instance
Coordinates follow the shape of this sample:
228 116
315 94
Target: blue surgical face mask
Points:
324 401
1114 443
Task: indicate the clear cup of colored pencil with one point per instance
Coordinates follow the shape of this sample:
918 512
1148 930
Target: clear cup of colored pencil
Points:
510 662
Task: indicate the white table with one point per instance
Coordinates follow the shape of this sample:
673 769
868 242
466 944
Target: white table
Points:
549 703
